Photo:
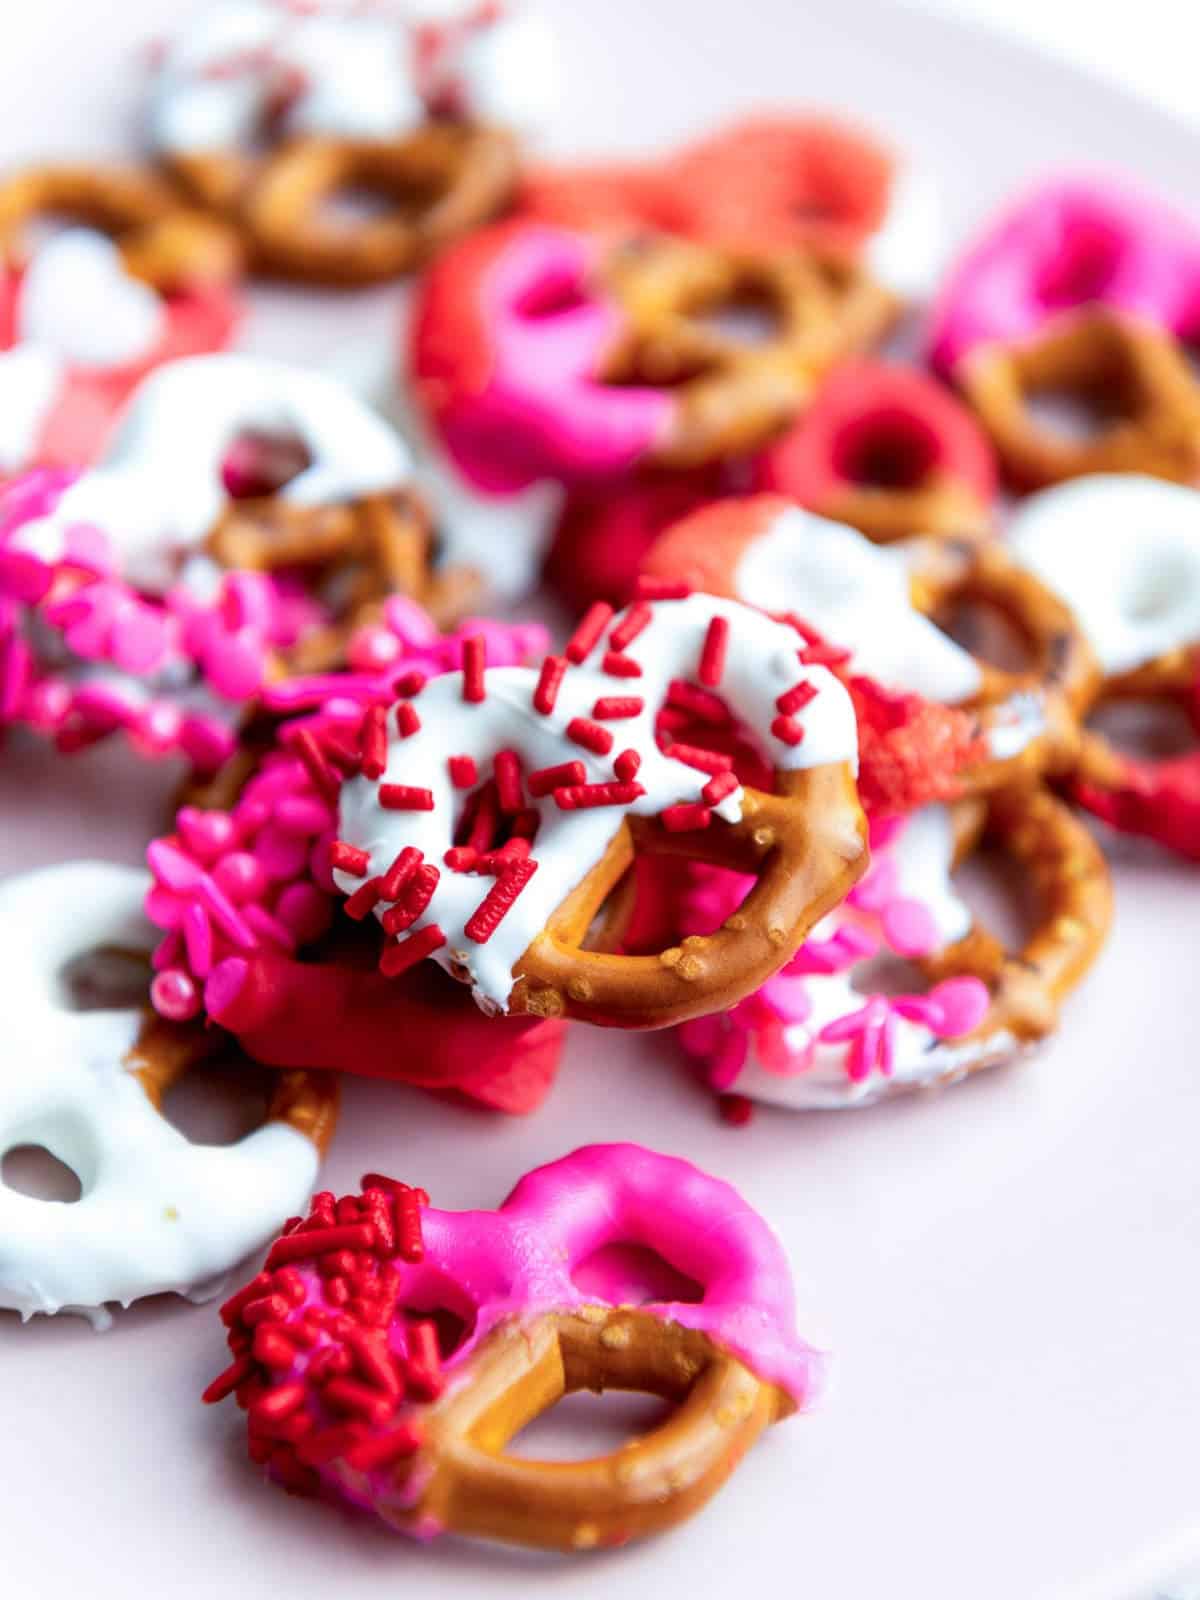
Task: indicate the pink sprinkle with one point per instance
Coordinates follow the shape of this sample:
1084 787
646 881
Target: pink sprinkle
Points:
174 996
270 928
304 911
198 937
909 927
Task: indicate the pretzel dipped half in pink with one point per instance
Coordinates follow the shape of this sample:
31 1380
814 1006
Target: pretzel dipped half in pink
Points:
1086 288
542 351
389 1352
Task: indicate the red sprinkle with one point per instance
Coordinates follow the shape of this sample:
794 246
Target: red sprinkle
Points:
398 874
461 858
507 768
719 788
617 707
618 666
484 812
712 656
474 659
397 958
707 707
627 765
348 858
317 1241
649 588
372 742
795 699
410 683
254 1290
464 774
590 735
584 796
226 1382
735 1109
364 899
824 655
385 1448
688 817
278 1402
710 761
405 797
636 620
499 901
549 682
546 779
345 1394
587 635
408 1220
325 1446
787 730
324 779
407 720
417 894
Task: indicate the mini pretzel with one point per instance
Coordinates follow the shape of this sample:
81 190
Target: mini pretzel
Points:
1123 552
442 180
1135 374
499 899
889 451
552 1294
877 603
157 1213
814 1036
540 352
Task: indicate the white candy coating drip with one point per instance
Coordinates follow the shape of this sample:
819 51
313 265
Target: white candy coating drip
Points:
1123 551
157 491
761 664
344 71
908 252
156 1212
31 379
857 595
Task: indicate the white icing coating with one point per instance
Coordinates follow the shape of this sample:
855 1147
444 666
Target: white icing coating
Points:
505 72
908 253
78 300
857 595
156 1212
31 379
761 664
346 72
157 490
1123 551
922 854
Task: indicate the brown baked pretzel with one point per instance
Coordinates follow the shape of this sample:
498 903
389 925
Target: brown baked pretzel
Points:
804 843
1132 373
439 182
1064 675
161 241
733 392
650 1484
356 554
1070 879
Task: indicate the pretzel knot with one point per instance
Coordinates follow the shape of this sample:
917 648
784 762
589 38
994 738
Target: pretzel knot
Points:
1122 552
490 829
877 609
389 1352
1085 289
157 1212
539 351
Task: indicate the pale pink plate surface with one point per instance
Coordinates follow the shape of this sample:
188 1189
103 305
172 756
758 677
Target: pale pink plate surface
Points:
1007 1272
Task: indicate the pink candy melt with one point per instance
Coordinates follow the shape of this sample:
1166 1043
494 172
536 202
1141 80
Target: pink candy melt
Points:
545 410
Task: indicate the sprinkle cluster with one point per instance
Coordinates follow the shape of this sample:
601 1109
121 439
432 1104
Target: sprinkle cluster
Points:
325 1360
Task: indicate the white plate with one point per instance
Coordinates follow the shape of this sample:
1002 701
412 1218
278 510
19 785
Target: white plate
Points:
1006 1273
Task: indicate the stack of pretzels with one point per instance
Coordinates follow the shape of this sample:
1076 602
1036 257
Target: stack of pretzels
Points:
829 632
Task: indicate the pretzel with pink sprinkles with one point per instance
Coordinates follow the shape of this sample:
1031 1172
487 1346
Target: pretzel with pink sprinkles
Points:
388 1352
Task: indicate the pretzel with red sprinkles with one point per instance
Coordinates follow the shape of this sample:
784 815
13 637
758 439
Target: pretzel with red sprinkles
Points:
388 1352
496 816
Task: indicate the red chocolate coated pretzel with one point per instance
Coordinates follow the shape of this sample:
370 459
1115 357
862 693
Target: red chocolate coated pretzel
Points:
389 1352
889 451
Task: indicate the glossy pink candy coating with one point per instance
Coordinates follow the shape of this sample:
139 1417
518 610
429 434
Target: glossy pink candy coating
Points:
1069 242
574 1233
545 410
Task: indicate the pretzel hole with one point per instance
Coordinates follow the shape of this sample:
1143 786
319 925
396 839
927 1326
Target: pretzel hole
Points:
362 203
584 1425
1079 395
104 979
988 632
745 318
34 1171
1083 268
438 1299
217 1103
260 463
1149 730
627 1273
888 449
999 894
